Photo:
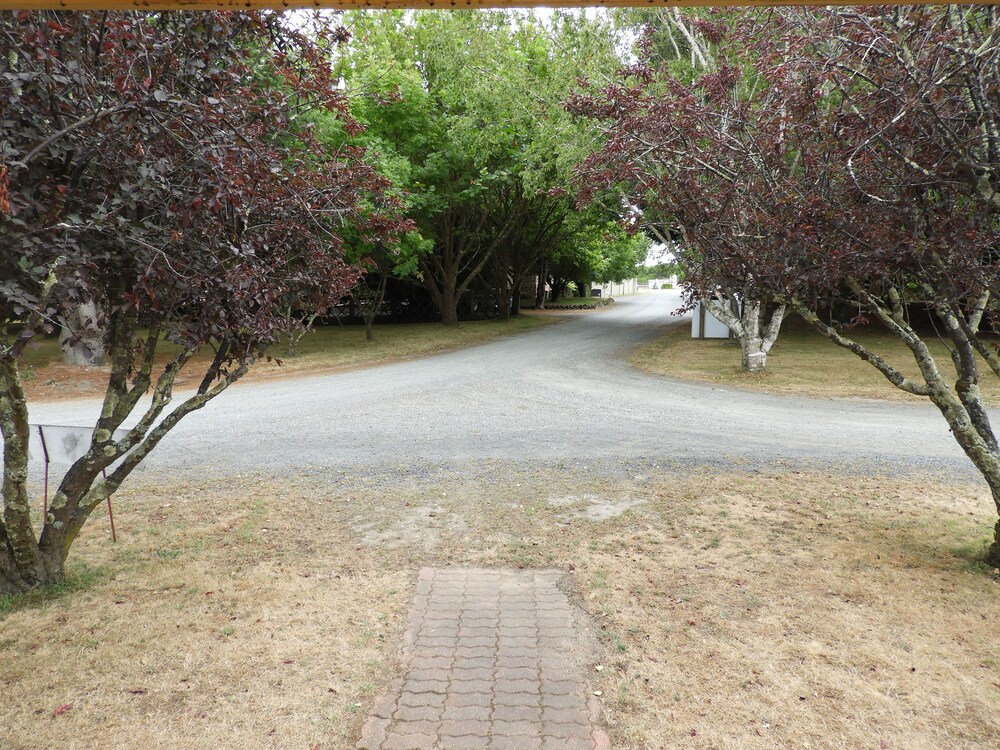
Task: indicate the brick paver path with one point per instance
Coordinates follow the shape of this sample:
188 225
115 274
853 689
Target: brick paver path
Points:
494 660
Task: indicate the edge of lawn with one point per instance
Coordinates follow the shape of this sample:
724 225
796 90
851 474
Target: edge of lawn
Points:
801 363
326 351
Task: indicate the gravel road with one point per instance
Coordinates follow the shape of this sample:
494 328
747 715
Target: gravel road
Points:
562 395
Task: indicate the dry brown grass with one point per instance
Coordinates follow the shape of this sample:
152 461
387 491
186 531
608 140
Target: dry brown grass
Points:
801 363
327 349
218 624
737 611
777 615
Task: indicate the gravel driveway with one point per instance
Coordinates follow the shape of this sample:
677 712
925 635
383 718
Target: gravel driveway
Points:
561 396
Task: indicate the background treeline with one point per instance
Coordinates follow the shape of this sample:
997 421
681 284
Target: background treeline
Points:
465 113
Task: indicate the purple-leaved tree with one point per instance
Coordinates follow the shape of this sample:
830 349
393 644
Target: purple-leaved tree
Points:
157 169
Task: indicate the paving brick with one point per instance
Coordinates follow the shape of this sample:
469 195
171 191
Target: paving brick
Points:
477 631
470 686
464 743
563 743
465 713
518 661
410 742
565 715
482 662
559 673
440 630
505 631
516 699
421 699
425 686
563 701
436 641
575 730
385 707
563 687
421 675
479 641
503 728
527 714
491 663
466 727
418 713
472 673
516 743
517 615
373 733
516 686
431 662
479 621
468 699
530 672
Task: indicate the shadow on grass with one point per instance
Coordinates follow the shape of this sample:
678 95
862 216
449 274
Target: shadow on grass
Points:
78 578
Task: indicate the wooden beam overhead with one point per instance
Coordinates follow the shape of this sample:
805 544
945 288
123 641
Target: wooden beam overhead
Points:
401 4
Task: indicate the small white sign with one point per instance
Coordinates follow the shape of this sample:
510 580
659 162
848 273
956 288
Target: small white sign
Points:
64 444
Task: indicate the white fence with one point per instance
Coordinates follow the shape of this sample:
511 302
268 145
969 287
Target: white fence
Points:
629 286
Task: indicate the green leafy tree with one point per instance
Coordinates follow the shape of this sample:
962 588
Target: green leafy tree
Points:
470 107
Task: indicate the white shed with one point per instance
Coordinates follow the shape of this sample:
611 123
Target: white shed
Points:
704 325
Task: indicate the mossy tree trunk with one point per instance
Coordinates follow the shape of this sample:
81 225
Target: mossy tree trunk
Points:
960 402
745 319
29 559
82 338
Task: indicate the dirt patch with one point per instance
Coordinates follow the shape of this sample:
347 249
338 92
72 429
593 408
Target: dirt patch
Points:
594 507
414 527
735 610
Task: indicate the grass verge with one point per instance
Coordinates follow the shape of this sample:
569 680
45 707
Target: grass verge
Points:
801 363
327 349
585 303
736 611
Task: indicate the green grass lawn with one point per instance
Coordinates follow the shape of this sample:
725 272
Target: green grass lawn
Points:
802 362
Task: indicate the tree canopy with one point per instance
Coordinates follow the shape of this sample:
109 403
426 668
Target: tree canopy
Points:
840 162
159 169
467 108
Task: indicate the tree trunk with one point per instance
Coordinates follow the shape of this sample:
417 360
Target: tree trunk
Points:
503 302
961 408
558 288
449 307
22 563
540 287
754 358
373 306
82 339
755 339
28 560
983 456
